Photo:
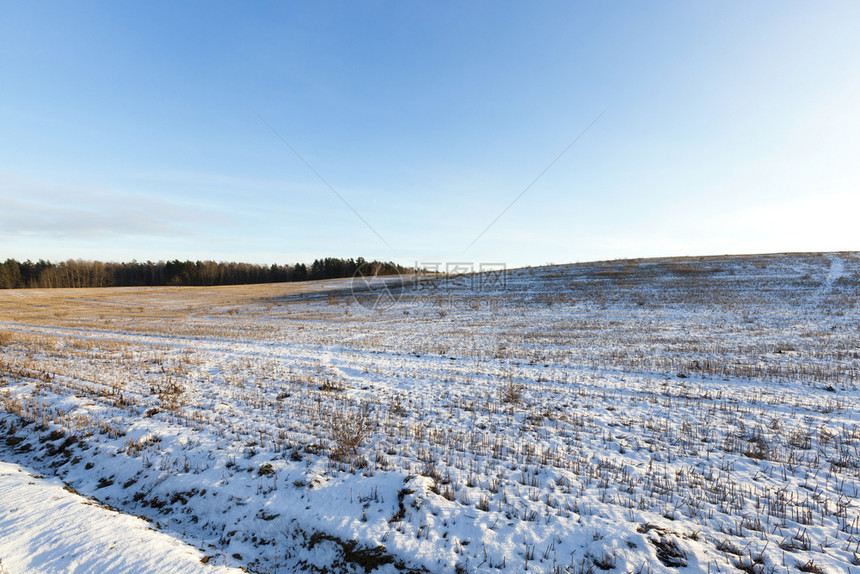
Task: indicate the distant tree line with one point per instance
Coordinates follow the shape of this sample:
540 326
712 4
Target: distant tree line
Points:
79 273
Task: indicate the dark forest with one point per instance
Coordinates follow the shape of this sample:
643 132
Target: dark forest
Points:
79 273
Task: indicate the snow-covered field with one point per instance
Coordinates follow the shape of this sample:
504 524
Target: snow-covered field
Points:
629 416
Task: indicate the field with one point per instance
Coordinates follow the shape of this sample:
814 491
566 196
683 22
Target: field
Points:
660 415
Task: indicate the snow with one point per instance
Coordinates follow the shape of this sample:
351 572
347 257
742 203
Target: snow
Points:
654 415
836 270
46 528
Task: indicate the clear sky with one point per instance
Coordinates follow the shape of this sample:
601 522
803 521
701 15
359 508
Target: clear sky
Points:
134 130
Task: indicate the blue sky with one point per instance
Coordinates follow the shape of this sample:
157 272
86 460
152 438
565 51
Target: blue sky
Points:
131 130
